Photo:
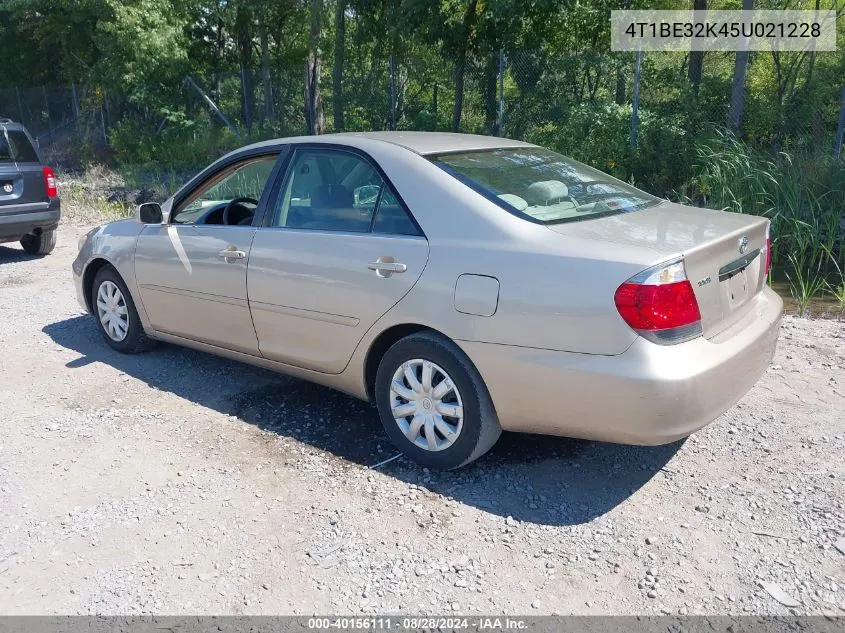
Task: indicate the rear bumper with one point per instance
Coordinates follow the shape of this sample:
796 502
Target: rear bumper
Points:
19 220
650 394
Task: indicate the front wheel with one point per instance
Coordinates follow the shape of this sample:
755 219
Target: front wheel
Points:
41 244
116 313
433 403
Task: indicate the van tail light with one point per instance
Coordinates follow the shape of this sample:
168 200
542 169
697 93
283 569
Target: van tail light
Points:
50 182
660 304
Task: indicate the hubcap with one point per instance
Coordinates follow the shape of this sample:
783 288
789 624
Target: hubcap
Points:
111 308
426 405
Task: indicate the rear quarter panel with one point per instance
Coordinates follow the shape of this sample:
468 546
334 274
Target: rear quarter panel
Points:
556 292
547 299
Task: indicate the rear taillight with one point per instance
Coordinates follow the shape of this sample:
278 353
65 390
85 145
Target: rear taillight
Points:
660 304
50 182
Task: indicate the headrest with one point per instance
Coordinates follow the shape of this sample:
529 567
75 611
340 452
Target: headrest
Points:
331 197
515 201
547 190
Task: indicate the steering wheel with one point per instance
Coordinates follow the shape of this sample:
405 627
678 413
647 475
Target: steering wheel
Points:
232 203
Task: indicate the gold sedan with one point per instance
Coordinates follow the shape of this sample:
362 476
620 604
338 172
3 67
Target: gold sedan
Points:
464 284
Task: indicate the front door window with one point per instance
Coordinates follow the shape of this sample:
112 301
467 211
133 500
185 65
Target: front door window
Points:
243 183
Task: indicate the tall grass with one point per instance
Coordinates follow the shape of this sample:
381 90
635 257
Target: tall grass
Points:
86 196
805 285
802 195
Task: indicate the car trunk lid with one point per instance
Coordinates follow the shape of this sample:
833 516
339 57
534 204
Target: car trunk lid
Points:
724 253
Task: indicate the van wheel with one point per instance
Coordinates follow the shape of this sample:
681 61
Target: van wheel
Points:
41 244
433 403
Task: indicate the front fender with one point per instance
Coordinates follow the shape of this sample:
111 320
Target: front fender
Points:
111 244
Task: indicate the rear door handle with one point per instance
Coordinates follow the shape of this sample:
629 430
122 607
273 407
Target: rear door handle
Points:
231 253
385 266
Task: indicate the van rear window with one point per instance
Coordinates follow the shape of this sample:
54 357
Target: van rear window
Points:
15 147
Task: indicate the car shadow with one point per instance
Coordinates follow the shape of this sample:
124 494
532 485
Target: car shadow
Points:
534 478
10 255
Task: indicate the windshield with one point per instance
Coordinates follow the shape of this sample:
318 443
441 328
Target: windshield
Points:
542 184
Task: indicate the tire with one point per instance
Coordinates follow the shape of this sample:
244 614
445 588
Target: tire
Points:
472 435
41 244
133 339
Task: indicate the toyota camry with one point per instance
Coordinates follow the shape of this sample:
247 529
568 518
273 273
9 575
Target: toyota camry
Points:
463 284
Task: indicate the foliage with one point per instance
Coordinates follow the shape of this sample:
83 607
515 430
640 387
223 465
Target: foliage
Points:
181 145
85 195
805 284
562 88
145 49
802 194
50 41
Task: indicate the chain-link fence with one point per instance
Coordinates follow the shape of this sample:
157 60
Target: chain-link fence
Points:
43 109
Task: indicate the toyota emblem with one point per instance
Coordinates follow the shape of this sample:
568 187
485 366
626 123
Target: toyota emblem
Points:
743 244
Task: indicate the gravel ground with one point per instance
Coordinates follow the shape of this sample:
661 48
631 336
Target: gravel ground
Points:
177 482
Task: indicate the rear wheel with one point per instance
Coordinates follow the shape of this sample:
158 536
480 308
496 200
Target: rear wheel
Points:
433 403
40 244
116 313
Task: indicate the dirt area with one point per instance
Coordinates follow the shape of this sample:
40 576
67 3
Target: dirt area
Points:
177 482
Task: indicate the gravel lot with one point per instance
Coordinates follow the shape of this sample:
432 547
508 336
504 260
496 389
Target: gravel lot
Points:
176 482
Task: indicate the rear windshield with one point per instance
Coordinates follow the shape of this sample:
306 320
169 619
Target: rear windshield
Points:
543 185
15 147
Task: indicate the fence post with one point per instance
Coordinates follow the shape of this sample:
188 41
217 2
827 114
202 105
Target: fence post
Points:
20 107
392 63
106 108
635 104
103 126
245 97
212 105
501 118
47 108
840 128
74 100
309 100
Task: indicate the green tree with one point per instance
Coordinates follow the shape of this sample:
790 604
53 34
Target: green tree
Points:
143 51
50 41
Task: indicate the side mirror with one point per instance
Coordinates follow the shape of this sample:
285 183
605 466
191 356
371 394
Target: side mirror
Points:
149 213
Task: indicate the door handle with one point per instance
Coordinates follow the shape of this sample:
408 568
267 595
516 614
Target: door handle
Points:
385 266
231 253
388 267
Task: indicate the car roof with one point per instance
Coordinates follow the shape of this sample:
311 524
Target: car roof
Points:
419 142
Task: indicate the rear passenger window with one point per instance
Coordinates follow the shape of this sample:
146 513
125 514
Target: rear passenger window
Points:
329 190
15 147
391 217
335 190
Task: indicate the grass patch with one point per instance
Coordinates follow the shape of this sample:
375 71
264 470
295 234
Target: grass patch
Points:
87 196
804 197
98 194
